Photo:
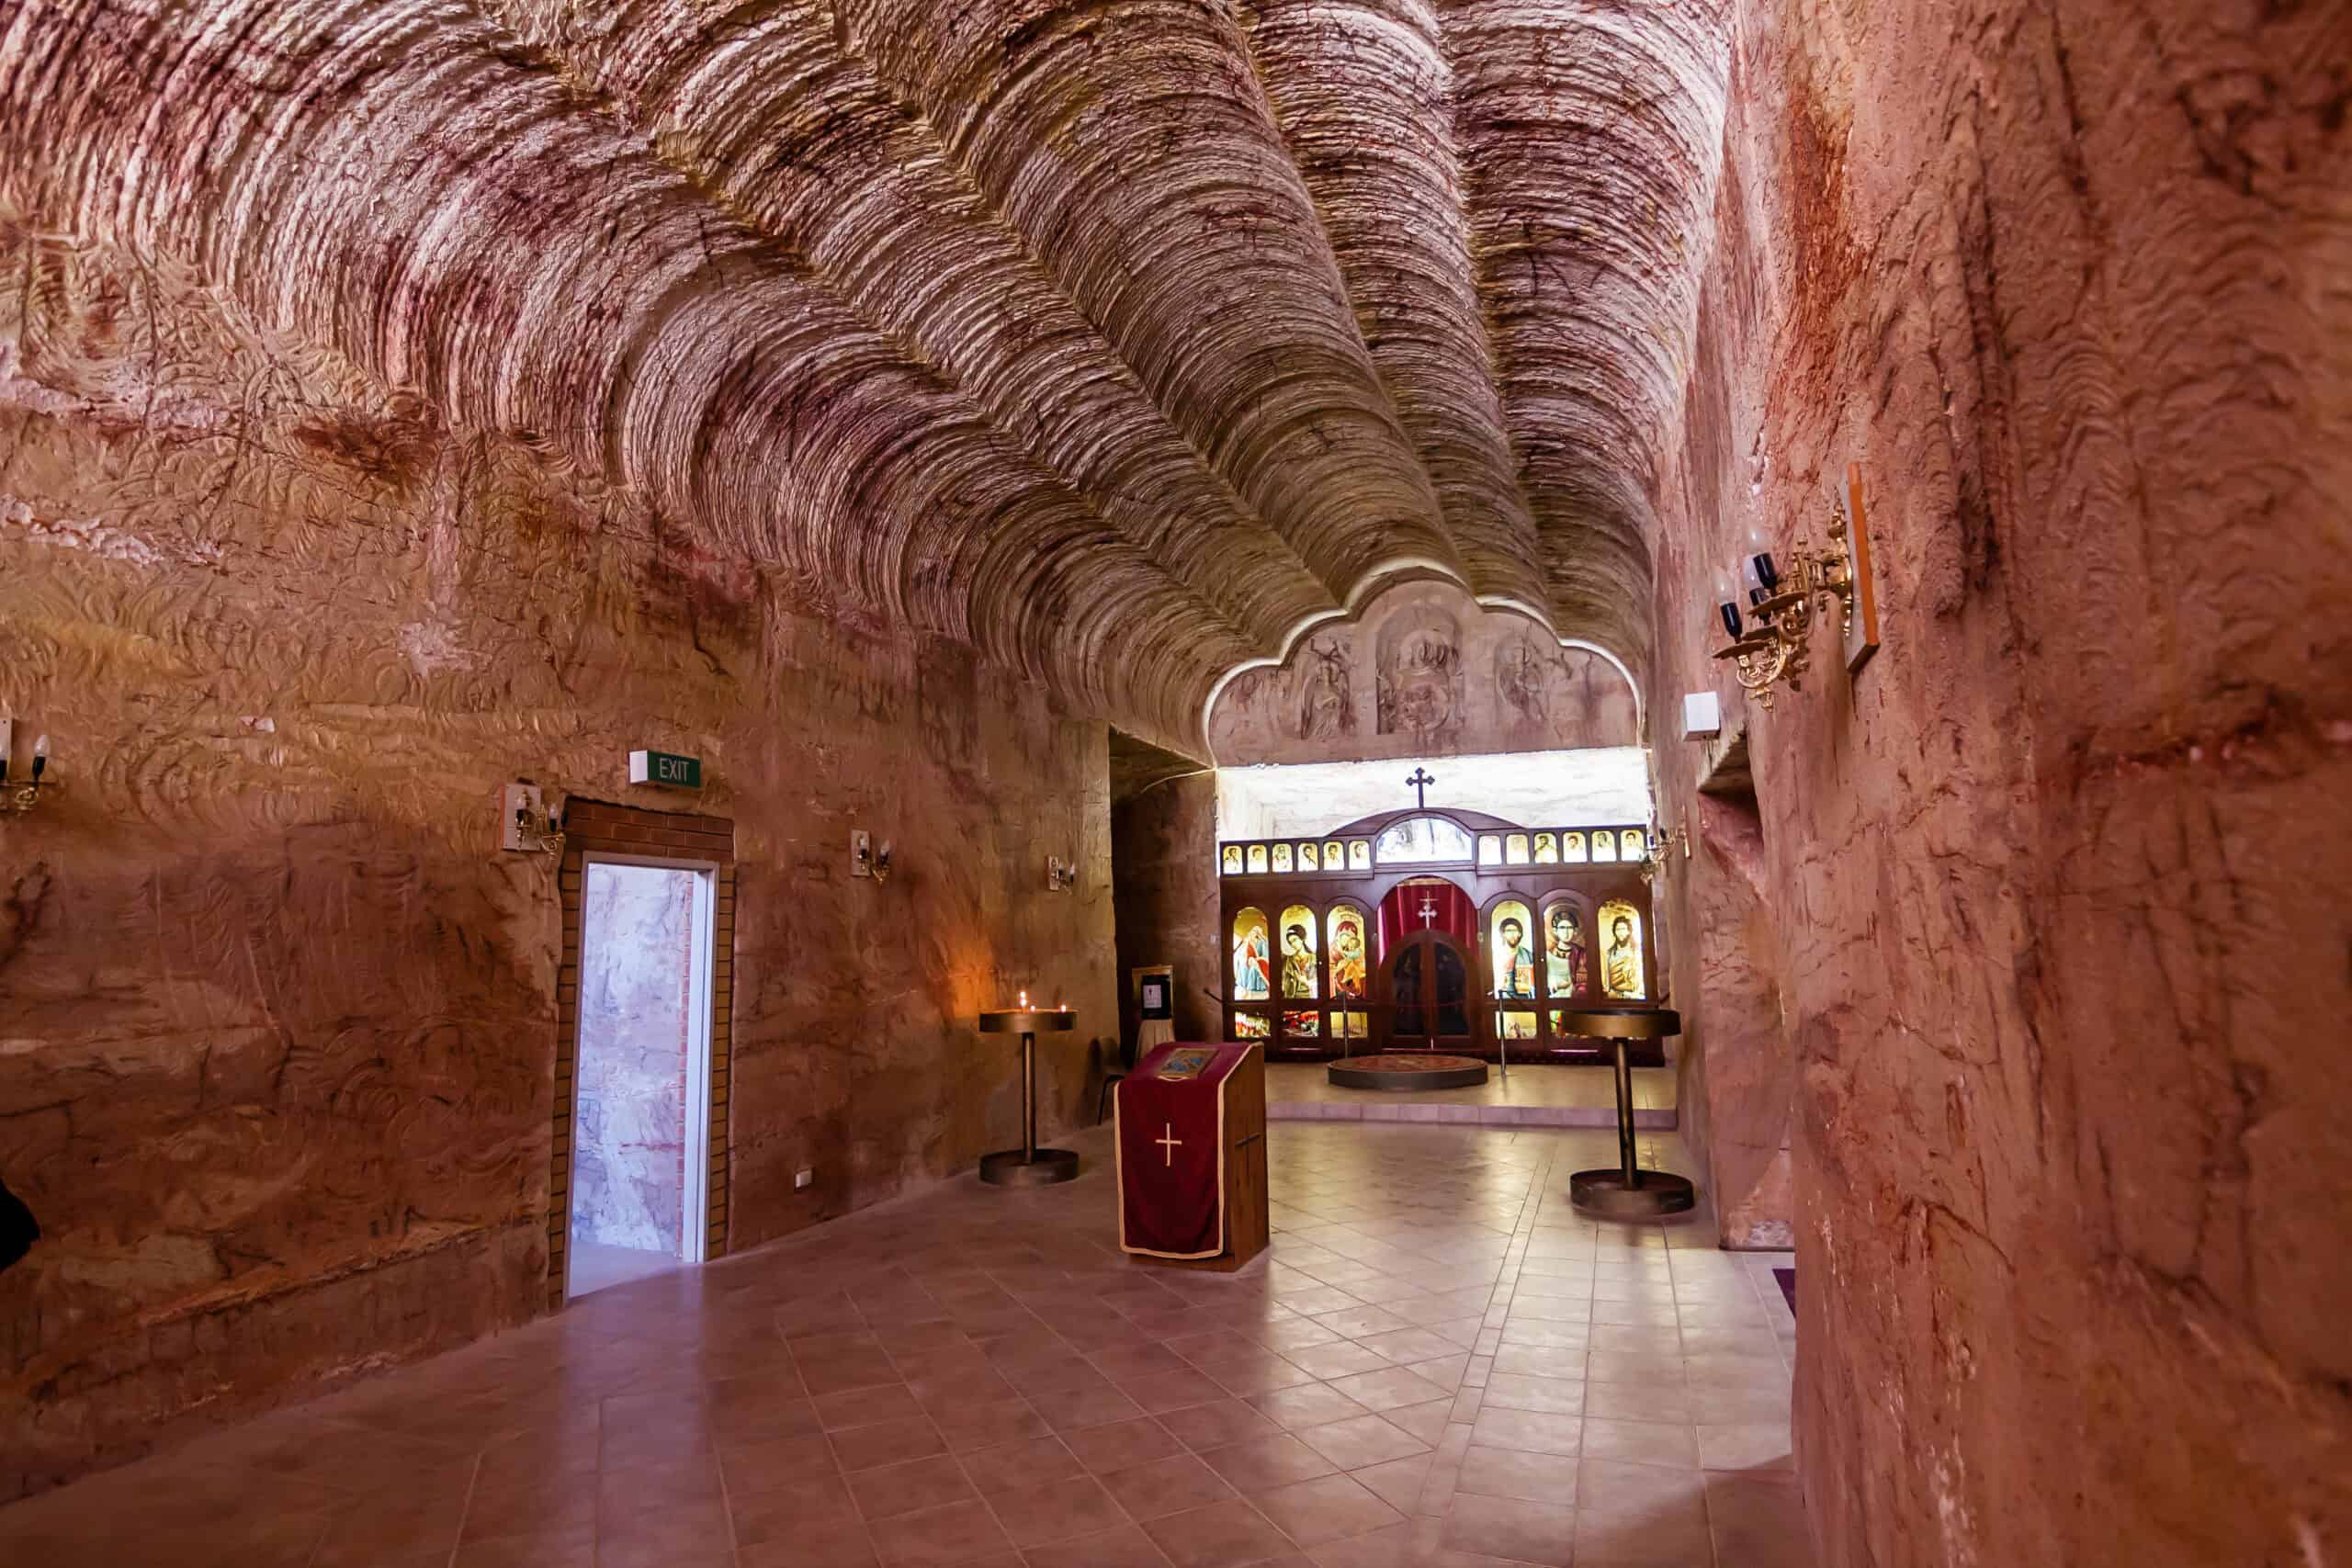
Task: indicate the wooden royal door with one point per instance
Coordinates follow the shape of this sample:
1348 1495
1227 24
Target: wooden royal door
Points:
1426 987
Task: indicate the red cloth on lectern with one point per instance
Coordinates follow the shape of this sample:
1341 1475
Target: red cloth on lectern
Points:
1170 1137
1400 914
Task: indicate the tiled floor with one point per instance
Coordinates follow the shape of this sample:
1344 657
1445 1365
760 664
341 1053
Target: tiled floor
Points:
1439 1364
595 1265
1574 1096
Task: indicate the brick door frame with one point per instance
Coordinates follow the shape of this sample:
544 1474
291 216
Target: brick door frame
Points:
597 827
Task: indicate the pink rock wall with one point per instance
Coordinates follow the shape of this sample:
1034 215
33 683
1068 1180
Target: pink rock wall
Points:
276 1020
1163 861
2054 894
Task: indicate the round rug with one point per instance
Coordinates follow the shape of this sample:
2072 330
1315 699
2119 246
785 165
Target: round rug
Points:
1403 1071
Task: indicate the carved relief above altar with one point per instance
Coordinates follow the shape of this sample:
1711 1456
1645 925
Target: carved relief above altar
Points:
1425 671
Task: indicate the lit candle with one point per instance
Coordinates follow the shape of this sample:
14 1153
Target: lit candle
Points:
1024 1001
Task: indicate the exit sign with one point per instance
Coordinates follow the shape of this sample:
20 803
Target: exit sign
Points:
665 768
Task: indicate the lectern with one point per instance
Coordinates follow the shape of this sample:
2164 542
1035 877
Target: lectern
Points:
1189 1129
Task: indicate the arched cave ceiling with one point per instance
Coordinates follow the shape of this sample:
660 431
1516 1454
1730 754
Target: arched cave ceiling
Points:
1117 339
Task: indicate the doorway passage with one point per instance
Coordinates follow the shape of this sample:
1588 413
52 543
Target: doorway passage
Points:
642 1069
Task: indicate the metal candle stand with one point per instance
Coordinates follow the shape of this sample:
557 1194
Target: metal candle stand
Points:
1028 1165
1627 1192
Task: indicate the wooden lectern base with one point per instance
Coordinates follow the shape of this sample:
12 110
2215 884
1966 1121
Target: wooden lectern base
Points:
1239 1224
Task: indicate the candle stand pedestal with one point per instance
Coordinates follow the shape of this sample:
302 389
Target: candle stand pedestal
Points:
1028 1165
1627 1192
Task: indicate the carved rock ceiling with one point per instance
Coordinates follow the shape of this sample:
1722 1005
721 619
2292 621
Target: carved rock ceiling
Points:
1116 339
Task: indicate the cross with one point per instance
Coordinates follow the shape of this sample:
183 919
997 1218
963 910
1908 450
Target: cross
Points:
1428 909
1421 781
1168 1142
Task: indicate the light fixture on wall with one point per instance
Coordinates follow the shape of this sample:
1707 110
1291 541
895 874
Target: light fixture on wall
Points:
1772 639
1660 841
866 859
1061 875
526 825
28 794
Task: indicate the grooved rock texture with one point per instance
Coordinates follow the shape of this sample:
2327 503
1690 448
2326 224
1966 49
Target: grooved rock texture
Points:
2054 894
1163 862
1116 341
276 1018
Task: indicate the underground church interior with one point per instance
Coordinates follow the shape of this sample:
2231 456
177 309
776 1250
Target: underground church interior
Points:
1335 783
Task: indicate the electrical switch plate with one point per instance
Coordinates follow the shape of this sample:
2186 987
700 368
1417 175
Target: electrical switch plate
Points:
1702 715
803 1178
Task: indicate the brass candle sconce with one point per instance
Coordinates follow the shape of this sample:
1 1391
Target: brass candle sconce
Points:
1774 643
27 792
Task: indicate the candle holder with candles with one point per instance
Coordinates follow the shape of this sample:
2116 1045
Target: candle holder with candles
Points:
1028 1165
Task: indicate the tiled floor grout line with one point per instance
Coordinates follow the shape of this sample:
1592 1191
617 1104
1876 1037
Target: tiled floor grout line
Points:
1021 1319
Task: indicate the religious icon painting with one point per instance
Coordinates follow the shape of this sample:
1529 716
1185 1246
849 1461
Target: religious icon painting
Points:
1568 963
1547 849
1310 858
1347 952
1633 844
1571 849
1335 855
1298 952
1253 957
1621 952
1514 950
1604 844
1258 859
1303 1025
1251 1026
1514 958
1359 854
1515 850
1232 861
1281 859
1491 849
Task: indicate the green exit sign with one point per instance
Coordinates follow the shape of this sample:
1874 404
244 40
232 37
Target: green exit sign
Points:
665 768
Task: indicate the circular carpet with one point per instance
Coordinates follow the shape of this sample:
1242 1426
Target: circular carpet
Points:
1407 1070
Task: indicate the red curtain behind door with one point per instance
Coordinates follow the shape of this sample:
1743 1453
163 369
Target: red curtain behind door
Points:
1400 914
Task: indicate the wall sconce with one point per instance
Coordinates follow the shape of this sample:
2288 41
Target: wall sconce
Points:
1060 874
1661 840
1773 642
526 825
24 796
866 860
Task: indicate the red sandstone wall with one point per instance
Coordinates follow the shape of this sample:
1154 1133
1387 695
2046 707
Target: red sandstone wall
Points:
1163 862
277 1023
2055 894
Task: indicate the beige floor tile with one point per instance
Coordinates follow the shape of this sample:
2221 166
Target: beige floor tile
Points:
1327 1508
1517 1473
1746 1446
1534 1431
1519 1531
